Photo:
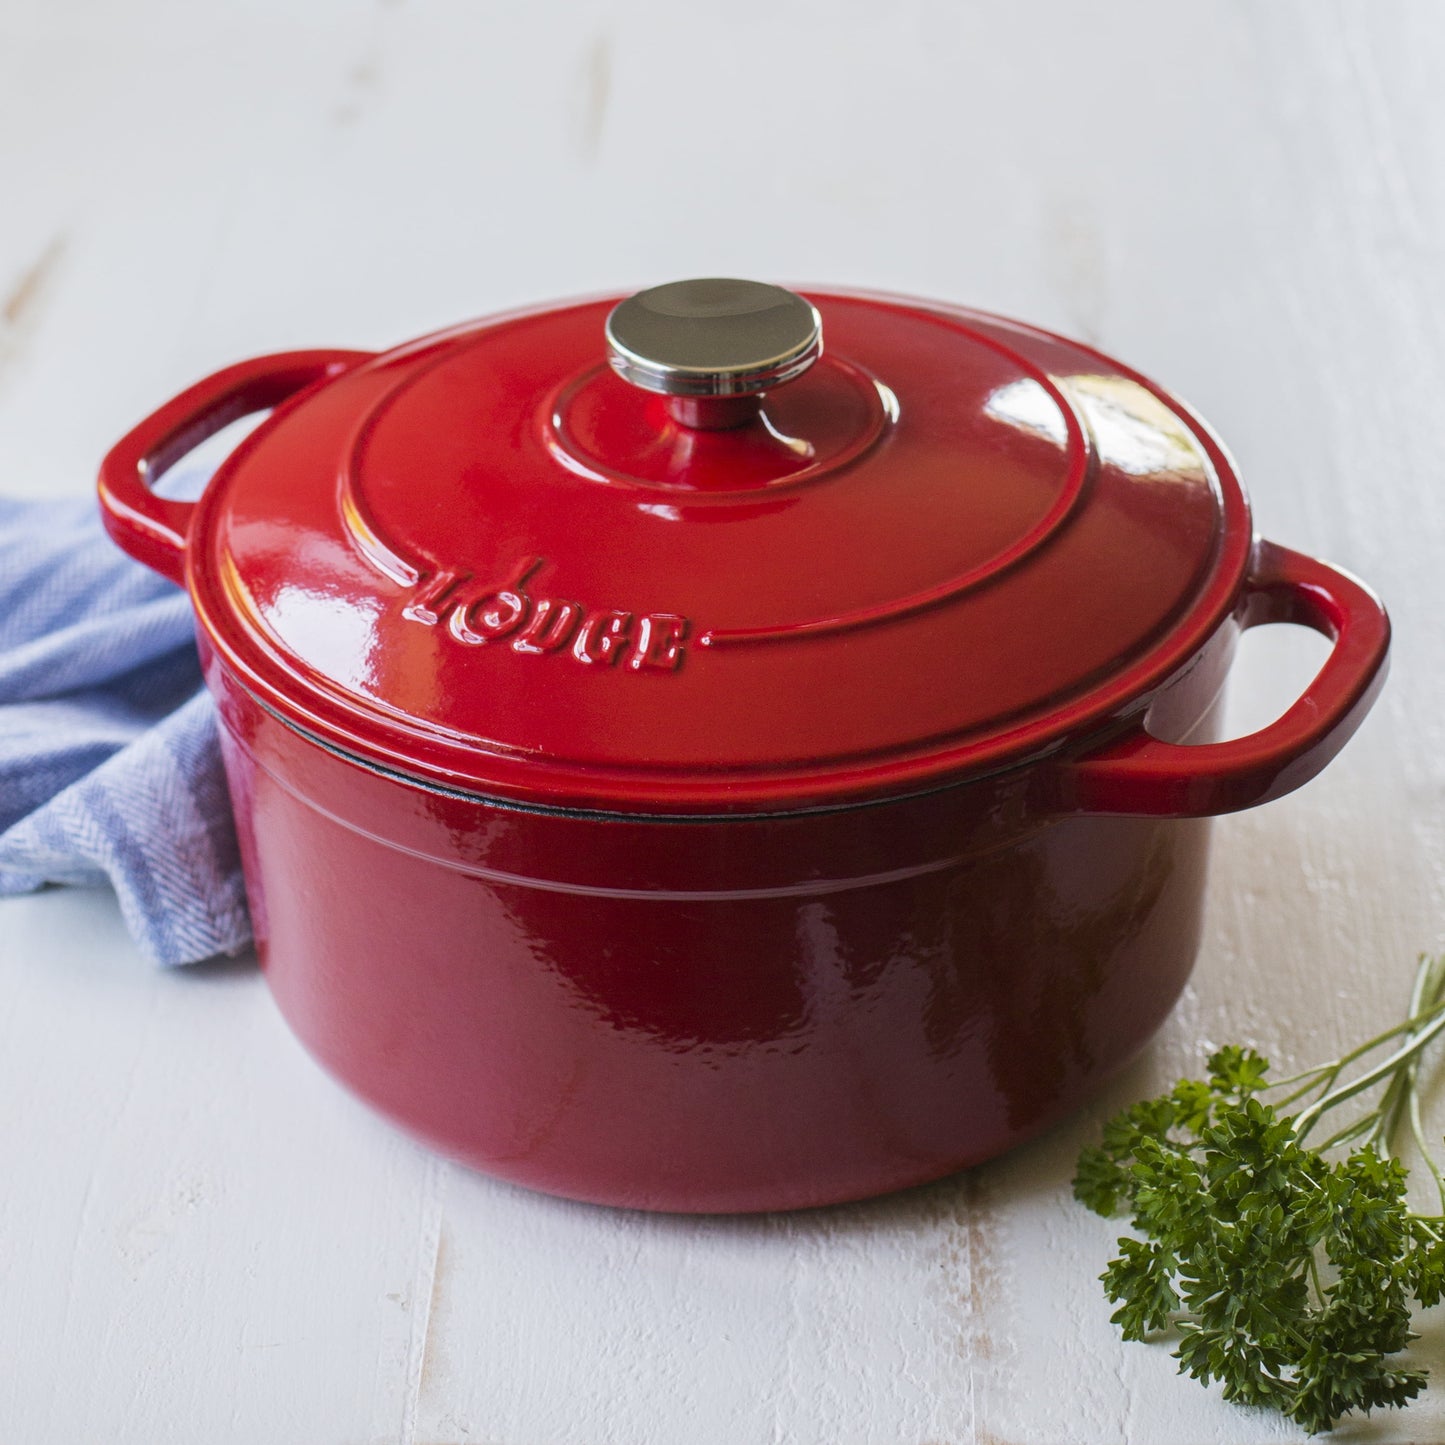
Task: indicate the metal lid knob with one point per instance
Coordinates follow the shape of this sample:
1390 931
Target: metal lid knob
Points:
714 337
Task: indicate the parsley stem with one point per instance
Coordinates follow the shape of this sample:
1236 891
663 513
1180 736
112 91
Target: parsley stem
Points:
1324 1079
1417 1128
1333 1067
1391 1111
1348 1134
1325 1074
1306 1118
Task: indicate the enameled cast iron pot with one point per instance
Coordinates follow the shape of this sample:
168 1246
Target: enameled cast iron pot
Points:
664 795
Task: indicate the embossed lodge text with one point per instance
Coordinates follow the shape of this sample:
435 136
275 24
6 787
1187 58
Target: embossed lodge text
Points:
479 613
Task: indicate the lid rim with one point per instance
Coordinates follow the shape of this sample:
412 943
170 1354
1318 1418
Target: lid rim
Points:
789 795
892 773
621 815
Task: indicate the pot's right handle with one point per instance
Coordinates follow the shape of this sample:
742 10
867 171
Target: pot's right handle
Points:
153 529
1139 775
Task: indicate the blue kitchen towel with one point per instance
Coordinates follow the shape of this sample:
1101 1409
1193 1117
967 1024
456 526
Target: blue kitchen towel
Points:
110 768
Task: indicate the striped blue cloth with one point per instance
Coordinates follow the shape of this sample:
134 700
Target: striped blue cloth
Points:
110 771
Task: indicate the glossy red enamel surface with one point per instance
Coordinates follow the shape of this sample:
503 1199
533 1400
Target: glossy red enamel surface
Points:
738 1015
488 561
561 862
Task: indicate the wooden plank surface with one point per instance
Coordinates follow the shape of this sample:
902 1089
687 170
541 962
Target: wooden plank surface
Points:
200 1237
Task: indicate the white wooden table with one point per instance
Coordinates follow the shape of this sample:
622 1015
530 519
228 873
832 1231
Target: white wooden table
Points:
201 1238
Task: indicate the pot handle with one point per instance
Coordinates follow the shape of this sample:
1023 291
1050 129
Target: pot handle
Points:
1139 775
153 529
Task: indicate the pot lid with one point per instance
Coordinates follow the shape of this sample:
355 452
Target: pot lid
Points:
718 548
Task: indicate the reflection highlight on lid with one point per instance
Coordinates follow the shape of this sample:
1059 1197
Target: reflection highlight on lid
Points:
1028 406
1129 426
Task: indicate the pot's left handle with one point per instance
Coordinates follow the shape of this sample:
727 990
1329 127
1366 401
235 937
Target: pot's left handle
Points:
1143 776
153 529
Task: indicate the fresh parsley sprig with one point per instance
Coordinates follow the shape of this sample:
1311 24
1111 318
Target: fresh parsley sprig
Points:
1287 1271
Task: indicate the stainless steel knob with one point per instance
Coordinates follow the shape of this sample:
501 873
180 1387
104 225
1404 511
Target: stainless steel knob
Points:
716 337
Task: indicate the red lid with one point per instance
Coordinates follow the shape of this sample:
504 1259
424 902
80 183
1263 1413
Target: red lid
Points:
491 561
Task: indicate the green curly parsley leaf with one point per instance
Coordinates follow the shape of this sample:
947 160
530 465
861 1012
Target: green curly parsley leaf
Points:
1286 1273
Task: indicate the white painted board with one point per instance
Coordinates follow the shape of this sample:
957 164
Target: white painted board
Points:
201 1238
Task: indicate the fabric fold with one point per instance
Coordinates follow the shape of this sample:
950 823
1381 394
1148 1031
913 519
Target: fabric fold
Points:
110 767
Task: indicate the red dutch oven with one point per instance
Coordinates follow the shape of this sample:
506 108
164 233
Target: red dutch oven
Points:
683 767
